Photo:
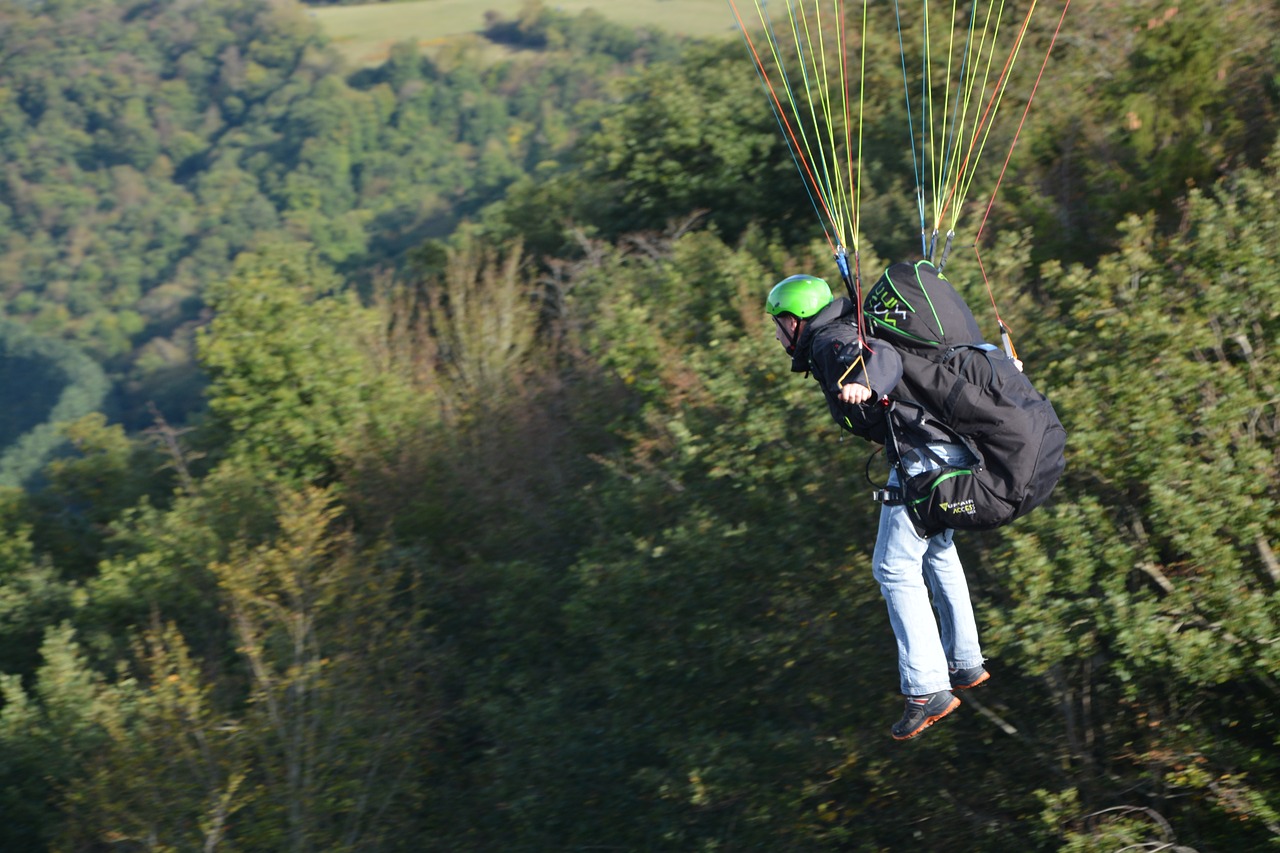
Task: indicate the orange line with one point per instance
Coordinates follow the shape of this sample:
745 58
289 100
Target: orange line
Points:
987 113
991 202
782 118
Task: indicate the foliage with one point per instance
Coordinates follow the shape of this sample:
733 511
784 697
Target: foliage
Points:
162 734
338 696
45 733
1141 105
314 752
1151 591
149 145
281 379
534 542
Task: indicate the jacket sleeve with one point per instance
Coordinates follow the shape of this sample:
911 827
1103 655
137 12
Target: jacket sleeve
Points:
882 369
876 365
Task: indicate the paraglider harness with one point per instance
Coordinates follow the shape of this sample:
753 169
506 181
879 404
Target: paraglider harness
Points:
970 393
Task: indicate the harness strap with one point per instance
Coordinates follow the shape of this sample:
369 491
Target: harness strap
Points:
892 496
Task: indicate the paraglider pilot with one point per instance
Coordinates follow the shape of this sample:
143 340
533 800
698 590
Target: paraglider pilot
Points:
917 575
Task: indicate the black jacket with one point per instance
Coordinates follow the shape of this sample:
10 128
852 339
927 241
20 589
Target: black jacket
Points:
829 346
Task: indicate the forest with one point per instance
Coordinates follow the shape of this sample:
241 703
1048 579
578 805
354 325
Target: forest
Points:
401 458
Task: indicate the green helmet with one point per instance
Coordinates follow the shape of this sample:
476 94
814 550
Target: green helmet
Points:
799 295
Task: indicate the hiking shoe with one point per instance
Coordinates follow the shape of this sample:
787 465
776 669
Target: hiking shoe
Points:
922 712
963 679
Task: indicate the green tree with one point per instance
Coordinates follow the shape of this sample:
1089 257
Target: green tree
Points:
288 377
170 774
104 475
339 686
1143 108
698 135
1145 597
44 732
33 593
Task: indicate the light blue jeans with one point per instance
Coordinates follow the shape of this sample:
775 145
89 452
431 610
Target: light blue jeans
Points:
909 569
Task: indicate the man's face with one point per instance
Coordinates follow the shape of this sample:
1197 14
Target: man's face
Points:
784 329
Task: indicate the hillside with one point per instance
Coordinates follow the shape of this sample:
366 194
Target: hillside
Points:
139 168
365 33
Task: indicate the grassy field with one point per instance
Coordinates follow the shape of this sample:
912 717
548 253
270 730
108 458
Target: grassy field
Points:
364 34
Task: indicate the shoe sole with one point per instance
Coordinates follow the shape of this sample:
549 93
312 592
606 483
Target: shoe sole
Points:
928 721
982 679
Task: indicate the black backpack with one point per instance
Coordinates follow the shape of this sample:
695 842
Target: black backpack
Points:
959 384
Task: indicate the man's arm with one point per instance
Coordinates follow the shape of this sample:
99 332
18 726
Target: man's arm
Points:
854 378
870 375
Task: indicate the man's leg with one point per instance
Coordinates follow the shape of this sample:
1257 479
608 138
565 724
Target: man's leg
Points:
898 566
956 623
